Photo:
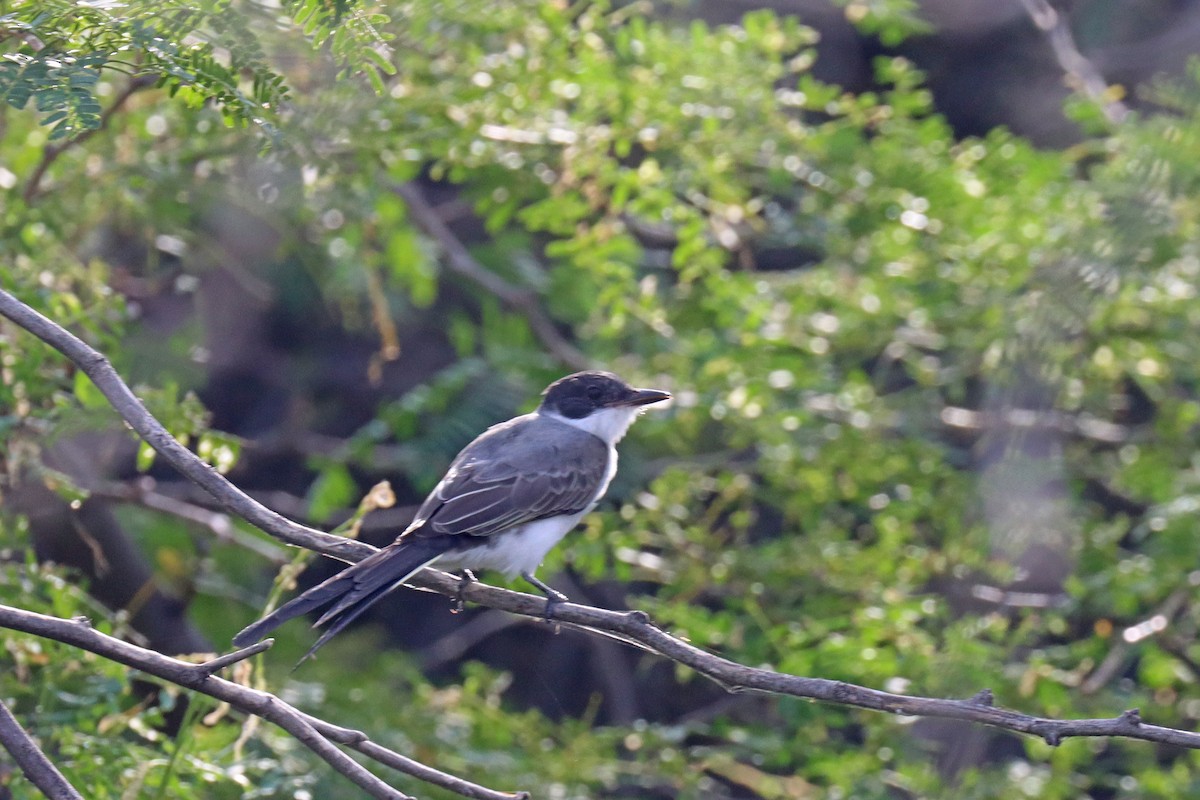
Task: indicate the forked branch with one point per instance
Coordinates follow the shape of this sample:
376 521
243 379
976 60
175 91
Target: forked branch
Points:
633 627
319 736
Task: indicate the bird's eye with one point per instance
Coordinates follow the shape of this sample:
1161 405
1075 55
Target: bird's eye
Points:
594 392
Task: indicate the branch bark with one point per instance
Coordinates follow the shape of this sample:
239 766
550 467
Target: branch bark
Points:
143 492
316 734
1077 67
637 627
98 368
633 627
32 761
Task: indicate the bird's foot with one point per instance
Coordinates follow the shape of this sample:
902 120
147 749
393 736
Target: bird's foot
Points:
464 580
553 596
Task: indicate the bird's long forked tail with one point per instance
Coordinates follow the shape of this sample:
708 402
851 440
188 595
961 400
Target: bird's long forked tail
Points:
352 591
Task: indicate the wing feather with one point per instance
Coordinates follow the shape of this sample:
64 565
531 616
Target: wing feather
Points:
514 474
461 512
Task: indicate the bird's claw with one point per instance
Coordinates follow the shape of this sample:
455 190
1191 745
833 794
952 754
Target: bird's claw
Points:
553 596
551 601
464 580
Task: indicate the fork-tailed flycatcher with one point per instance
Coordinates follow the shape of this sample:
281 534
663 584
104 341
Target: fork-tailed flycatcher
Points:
508 497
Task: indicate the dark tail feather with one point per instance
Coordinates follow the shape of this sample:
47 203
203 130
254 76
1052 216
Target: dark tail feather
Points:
354 589
314 598
351 612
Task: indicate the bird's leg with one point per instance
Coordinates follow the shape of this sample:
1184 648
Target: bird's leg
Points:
464 580
552 595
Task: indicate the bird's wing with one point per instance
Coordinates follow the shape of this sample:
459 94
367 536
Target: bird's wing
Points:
512 475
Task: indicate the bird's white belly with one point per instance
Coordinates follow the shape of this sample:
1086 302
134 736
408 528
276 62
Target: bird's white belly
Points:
522 549
513 551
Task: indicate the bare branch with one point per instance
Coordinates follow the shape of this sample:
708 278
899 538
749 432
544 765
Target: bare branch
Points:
632 626
316 734
359 741
79 633
635 625
143 492
98 368
424 772
460 260
215 665
32 761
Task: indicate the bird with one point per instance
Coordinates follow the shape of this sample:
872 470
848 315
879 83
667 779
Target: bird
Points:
507 498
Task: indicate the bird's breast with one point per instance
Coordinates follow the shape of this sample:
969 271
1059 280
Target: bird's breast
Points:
516 550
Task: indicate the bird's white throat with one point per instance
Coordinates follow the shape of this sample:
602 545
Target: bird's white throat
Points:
608 424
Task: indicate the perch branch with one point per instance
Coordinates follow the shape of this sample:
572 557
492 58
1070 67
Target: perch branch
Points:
633 626
636 626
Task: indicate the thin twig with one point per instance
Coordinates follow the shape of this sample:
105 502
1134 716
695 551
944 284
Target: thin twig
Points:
736 677
32 761
1082 425
79 633
318 735
1123 646
1077 67
215 665
632 625
359 741
424 772
460 260
34 185
450 648
143 492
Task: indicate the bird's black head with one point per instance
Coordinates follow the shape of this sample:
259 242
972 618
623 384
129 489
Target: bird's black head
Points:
576 396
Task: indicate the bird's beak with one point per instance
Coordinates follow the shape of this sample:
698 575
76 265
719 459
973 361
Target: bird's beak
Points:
644 397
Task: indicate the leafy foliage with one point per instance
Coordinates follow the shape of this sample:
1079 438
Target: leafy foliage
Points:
60 87
911 371
205 52
110 734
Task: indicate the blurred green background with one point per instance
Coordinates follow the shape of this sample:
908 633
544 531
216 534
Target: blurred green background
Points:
929 316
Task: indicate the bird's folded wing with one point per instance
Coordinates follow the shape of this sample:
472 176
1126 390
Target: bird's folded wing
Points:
483 497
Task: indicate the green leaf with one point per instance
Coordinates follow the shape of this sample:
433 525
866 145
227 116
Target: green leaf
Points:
87 393
222 450
145 456
333 489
